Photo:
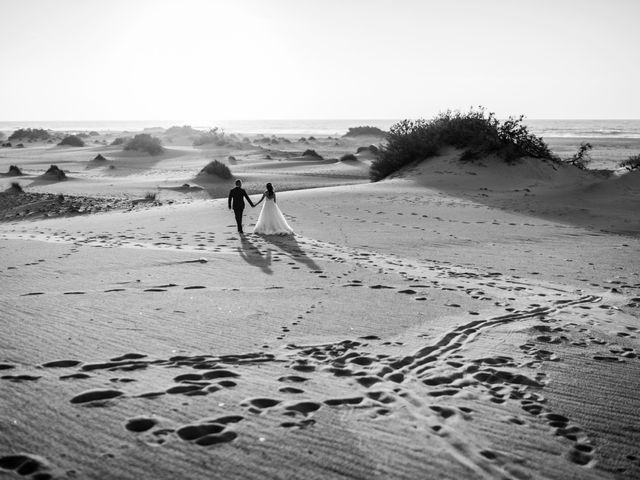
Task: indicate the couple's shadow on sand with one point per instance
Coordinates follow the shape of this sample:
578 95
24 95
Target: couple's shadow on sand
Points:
250 252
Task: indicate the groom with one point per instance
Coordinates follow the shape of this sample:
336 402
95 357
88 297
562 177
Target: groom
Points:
237 196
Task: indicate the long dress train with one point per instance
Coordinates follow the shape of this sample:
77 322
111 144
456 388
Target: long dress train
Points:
271 220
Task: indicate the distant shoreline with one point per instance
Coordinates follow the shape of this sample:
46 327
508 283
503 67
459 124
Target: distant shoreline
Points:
594 128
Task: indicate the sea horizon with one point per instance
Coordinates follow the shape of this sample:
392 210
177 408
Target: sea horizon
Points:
549 128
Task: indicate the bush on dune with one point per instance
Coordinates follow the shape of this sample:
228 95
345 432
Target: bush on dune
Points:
348 157
311 153
581 158
218 169
183 130
632 163
144 142
477 132
120 141
14 171
214 136
56 172
72 141
371 148
32 134
365 130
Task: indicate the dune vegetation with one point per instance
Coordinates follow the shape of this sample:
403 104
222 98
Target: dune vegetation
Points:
632 163
120 141
477 132
311 153
365 130
31 134
215 136
72 141
144 142
218 169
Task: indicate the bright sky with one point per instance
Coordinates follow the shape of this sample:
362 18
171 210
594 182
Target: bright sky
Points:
203 60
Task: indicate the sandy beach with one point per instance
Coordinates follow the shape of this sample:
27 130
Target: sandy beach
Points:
456 320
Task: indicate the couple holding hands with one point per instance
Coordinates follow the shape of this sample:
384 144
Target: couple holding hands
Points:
270 222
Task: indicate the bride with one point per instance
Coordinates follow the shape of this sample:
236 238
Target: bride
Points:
271 221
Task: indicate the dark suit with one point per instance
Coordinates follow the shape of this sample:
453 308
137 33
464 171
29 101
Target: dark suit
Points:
236 200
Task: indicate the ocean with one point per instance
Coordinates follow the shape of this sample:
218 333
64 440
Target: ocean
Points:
543 128
612 140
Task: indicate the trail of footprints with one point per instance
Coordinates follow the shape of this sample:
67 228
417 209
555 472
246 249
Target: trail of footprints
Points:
381 384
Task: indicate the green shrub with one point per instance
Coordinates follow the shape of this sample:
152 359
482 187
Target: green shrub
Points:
365 130
143 142
16 187
30 134
72 141
632 163
477 132
218 169
349 157
581 158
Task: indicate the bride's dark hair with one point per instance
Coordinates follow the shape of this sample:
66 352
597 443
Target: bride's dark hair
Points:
269 190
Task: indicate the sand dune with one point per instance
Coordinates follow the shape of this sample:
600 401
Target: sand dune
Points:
456 321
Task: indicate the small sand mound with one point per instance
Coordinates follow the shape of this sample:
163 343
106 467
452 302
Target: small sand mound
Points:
14 171
217 169
15 187
55 172
311 153
370 148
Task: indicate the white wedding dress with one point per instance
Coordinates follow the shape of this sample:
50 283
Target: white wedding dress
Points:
271 220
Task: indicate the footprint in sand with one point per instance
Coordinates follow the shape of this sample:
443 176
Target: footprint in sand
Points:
293 378
300 425
257 405
61 364
186 390
337 402
291 390
96 395
140 424
581 453
128 356
26 465
75 376
190 433
19 378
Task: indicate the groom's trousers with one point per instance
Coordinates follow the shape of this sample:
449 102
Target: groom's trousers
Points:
238 212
